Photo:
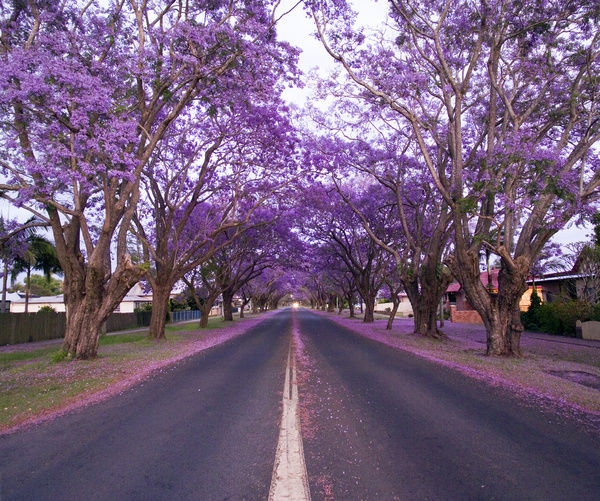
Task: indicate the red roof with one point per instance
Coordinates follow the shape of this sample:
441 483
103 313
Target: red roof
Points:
455 286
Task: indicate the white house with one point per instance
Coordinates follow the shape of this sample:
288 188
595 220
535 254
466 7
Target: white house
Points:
135 299
404 308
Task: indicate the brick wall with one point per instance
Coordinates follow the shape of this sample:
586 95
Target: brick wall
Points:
464 316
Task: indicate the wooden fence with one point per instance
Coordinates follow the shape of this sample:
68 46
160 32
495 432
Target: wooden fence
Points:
31 327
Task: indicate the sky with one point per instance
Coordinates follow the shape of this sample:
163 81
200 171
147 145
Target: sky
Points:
298 29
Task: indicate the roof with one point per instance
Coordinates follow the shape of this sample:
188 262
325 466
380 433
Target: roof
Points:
556 277
483 276
18 298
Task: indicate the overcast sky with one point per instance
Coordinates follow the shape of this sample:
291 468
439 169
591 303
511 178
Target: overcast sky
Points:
298 29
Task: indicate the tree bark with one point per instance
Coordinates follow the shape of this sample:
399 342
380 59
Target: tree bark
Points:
204 314
83 328
160 306
499 311
91 295
369 316
395 305
424 293
4 285
227 306
331 303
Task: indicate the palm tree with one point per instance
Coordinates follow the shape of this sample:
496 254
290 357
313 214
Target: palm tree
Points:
13 239
41 256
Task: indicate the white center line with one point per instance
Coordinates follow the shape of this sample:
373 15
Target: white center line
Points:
290 480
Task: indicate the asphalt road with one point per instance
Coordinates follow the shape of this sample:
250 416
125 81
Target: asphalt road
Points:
376 424
205 429
384 424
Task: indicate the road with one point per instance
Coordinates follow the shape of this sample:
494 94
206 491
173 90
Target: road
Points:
375 423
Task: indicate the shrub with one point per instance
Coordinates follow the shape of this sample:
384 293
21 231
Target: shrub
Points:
46 309
531 318
560 318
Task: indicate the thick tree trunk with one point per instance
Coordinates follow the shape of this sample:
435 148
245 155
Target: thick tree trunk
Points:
499 311
227 306
369 317
425 316
331 303
205 308
90 297
425 299
503 334
504 318
83 329
160 306
204 312
350 299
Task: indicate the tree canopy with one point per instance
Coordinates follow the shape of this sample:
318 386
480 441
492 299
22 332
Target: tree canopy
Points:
164 123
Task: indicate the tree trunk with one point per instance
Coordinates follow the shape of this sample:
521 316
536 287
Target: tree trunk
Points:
425 299
27 289
504 318
499 311
160 307
331 303
425 317
90 297
204 313
84 321
395 305
205 308
350 299
227 306
4 286
369 317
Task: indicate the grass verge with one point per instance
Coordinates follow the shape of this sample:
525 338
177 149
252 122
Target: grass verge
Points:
38 382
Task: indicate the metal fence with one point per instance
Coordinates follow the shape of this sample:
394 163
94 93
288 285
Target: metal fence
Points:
184 316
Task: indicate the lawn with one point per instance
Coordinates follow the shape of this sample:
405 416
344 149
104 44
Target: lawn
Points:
38 382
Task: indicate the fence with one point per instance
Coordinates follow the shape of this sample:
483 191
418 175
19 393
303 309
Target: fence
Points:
184 316
30 327
123 321
18 328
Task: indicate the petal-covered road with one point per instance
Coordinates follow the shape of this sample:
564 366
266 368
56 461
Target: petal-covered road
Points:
374 423
384 424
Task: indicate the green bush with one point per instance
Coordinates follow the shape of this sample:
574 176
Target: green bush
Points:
46 309
560 318
531 319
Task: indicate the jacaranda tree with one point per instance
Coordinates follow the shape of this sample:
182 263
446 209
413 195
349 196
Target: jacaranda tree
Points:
508 92
88 91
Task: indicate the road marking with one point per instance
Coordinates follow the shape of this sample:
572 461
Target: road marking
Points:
290 480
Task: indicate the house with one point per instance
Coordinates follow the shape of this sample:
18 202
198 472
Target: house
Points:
404 308
562 286
136 298
17 302
461 311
